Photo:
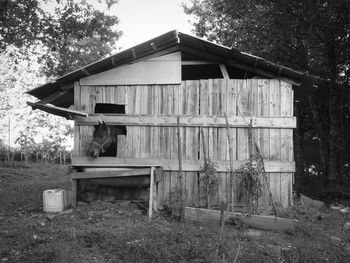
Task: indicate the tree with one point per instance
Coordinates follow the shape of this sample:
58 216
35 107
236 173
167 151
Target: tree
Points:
79 36
18 74
309 35
74 35
36 45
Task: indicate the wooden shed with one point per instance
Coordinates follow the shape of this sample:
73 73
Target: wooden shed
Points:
177 82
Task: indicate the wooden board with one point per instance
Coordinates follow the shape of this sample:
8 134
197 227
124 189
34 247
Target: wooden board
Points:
189 121
173 164
107 174
255 221
160 70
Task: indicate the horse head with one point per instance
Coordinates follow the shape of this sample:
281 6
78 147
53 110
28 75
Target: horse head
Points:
101 141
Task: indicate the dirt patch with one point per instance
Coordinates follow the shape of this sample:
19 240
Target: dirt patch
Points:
121 231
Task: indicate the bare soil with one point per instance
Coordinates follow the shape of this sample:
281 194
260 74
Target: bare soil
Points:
122 232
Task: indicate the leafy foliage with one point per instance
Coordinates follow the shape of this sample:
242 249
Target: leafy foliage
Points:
17 75
78 36
209 179
36 45
249 181
209 174
177 197
75 35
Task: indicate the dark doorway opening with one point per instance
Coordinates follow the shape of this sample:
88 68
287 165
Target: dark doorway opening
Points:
115 130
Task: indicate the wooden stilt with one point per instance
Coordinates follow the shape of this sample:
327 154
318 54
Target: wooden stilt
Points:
151 186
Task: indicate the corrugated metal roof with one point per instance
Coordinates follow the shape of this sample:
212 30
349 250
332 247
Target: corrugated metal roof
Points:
184 42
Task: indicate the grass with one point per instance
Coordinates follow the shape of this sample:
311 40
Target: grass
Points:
120 232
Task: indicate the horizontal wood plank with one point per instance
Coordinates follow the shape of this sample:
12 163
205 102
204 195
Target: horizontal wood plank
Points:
173 164
188 121
108 174
256 221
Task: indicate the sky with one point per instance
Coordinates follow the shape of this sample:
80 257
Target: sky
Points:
141 20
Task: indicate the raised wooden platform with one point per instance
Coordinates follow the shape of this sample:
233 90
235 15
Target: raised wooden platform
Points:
135 175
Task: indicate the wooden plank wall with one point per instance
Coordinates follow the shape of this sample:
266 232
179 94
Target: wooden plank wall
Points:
248 98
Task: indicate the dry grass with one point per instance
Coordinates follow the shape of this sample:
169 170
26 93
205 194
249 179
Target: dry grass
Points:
120 232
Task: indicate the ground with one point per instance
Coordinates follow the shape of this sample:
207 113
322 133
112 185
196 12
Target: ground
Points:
121 232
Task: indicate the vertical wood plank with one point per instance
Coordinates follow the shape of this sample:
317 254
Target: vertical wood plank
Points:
231 110
170 130
155 131
165 193
164 109
264 136
243 109
136 152
192 140
174 111
275 139
87 104
174 182
204 101
286 144
77 106
129 130
118 96
222 134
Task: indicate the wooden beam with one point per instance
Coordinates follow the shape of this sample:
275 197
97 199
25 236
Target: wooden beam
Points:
113 61
60 111
85 71
154 47
173 164
109 174
133 52
224 71
256 221
197 62
189 121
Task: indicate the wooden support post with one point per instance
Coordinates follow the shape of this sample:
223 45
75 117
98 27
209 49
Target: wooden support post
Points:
151 186
179 150
252 204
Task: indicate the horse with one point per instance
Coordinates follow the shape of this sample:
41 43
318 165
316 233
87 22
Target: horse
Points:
105 141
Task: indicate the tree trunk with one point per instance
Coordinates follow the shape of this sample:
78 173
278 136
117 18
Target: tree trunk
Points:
321 138
300 178
333 131
64 157
341 164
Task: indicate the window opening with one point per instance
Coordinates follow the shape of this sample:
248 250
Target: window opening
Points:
114 130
